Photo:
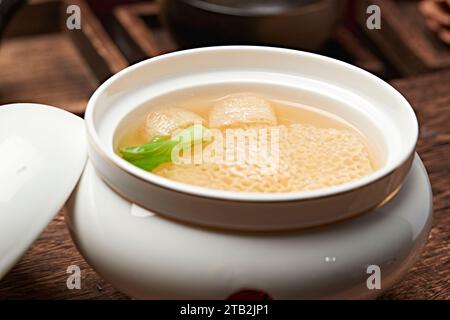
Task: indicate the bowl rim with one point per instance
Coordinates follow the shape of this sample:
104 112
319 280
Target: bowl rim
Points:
209 193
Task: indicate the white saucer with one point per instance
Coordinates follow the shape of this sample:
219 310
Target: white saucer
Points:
149 257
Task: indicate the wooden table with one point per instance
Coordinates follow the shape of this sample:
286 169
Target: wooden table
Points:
41 273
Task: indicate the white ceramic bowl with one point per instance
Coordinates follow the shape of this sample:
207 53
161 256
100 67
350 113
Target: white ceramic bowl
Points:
373 106
148 257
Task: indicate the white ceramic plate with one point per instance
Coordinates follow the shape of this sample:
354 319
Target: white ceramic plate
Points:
42 155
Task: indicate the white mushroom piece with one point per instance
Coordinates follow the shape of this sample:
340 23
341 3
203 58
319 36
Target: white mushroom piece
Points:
163 121
241 110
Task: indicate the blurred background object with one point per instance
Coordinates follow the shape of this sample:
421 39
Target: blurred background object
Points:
404 38
116 33
157 27
133 30
42 61
437 15
7 10
300 24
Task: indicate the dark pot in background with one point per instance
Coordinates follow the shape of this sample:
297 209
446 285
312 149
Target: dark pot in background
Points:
304 24
7 10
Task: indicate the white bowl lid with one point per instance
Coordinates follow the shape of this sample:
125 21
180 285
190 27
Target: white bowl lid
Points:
42 155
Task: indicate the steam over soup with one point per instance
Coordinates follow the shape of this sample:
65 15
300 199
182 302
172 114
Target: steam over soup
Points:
247 142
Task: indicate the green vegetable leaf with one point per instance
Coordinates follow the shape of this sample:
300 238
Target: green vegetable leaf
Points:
159 150
150 149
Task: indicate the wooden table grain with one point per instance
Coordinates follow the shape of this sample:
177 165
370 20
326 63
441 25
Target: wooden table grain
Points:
41 273
31 71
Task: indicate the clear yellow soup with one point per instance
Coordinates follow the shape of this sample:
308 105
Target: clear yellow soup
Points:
306 149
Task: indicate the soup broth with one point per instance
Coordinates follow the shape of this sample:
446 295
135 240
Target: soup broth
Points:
305 148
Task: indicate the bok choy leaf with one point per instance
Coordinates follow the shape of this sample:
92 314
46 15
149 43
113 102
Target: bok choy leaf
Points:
159 150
